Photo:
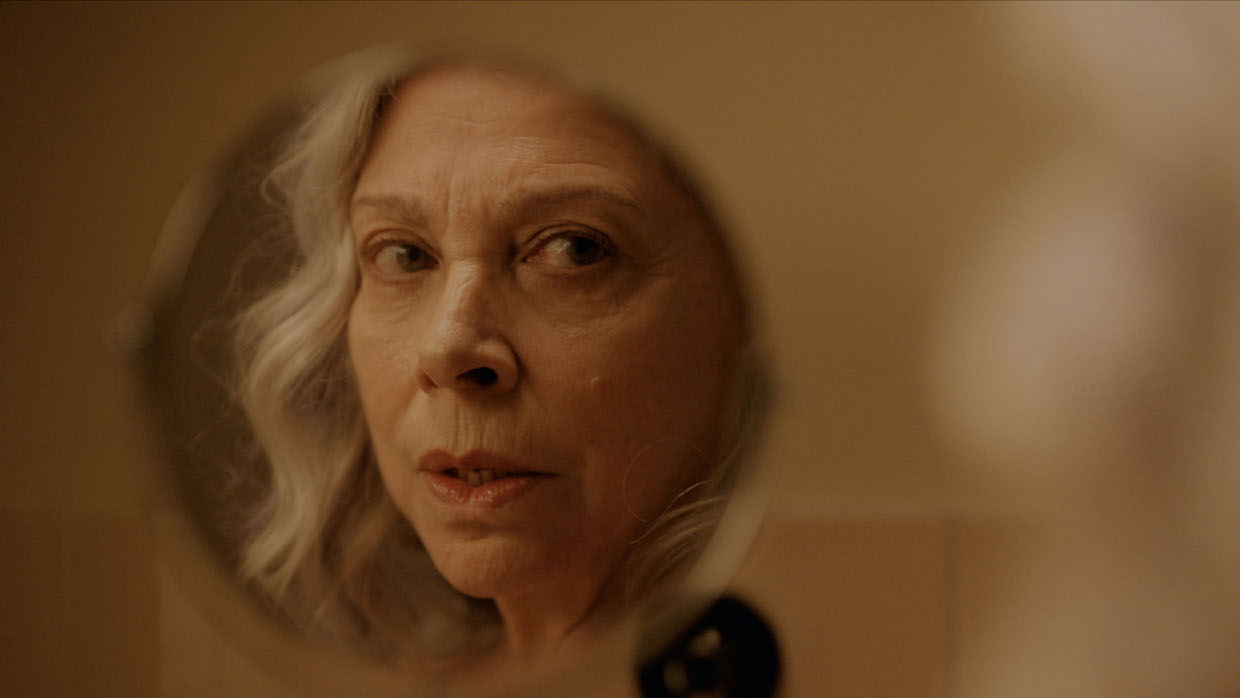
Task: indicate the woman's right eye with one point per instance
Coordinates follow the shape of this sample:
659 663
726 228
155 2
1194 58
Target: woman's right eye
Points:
396 259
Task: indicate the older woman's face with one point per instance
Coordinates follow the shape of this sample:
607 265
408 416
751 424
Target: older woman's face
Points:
543 334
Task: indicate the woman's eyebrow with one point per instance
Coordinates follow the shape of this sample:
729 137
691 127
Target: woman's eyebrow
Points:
525 201
407 208
411 211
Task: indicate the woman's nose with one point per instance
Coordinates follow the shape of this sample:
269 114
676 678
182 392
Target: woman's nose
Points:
464 349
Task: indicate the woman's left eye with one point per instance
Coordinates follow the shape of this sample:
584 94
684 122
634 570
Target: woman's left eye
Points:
569 251
396 259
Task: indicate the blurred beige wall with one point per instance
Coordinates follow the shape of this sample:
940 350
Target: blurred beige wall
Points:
848 145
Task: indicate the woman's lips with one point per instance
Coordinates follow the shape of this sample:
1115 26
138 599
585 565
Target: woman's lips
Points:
477 478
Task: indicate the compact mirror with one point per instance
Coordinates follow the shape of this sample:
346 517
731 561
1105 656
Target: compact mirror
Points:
455 372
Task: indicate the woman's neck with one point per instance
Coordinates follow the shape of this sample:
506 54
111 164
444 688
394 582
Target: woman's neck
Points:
556 621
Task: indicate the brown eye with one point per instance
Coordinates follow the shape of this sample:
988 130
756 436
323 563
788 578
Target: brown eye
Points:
402 258
568 251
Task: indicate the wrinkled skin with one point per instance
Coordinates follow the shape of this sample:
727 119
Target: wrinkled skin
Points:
506 224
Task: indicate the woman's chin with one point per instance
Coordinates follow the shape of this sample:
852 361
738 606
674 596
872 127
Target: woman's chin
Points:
491 568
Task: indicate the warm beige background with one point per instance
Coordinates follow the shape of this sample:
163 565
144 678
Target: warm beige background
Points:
850 145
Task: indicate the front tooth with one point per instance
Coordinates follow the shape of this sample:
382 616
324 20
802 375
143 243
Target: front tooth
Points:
486 474
473 477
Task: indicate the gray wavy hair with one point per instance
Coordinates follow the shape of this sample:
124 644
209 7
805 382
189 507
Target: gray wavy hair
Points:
328 546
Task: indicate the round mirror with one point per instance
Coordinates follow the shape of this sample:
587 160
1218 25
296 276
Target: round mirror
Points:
455 371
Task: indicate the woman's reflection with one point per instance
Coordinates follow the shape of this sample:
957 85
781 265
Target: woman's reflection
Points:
498 392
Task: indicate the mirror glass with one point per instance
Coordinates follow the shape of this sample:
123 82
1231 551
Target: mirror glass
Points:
455 369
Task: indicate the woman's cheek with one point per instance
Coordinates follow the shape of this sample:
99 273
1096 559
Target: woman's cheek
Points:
384 364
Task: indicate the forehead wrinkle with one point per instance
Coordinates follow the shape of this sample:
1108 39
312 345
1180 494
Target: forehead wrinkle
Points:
453 114
573 144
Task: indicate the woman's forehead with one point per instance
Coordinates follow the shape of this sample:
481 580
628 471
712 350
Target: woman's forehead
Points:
506 100
444 117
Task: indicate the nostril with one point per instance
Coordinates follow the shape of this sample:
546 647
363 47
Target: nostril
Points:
482 376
